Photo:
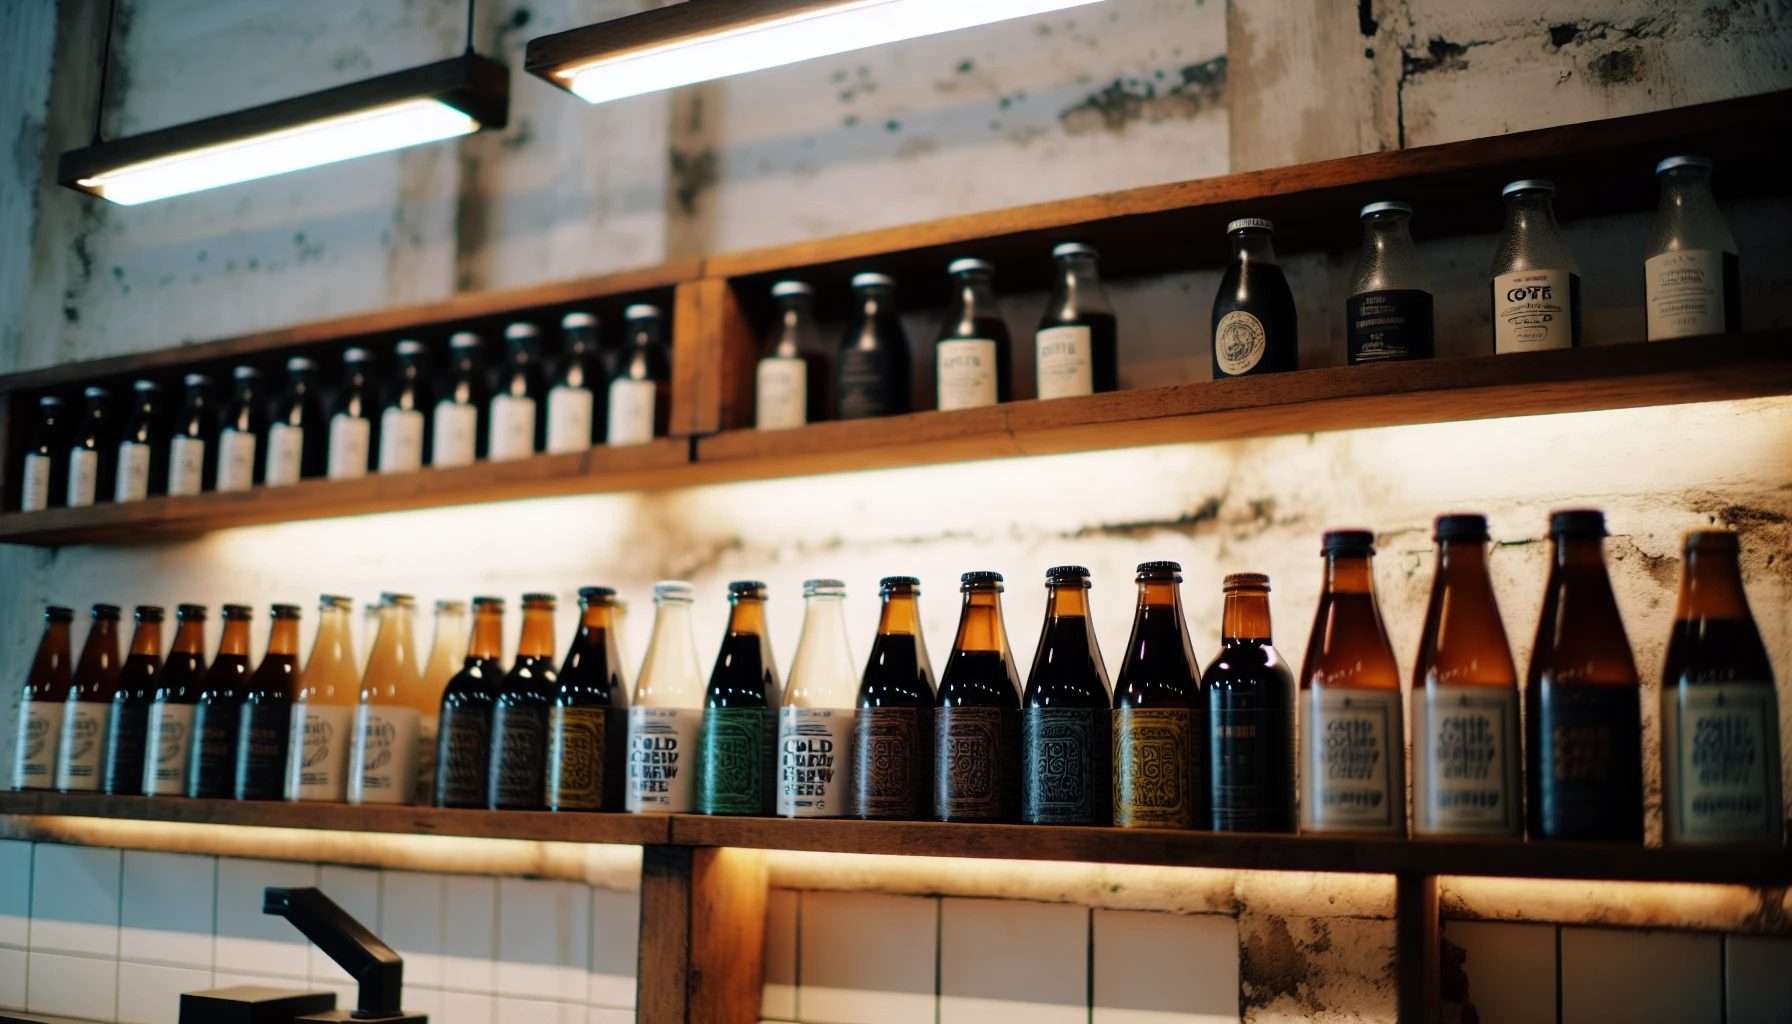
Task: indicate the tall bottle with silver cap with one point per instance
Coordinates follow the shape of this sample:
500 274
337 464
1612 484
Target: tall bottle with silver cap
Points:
815 725
1536 283
667 710
872 377
1692 277
640 392
296 432
456 437
239 431
513 409
137 442
972 355
89 450
382 758
404 426
1254 329
1075 346
38 479
351 422
187 463
791 381
1388 316
572 401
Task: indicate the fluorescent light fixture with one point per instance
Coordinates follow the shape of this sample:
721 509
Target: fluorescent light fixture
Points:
703 40
425 104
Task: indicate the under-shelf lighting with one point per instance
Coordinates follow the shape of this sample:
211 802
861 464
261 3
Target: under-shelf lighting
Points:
703 40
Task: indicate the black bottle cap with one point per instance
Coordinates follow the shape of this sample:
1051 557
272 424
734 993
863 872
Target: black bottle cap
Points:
149 613
193 612
1066 574
57 613
1160 568
539 598
747 587
596 593
892 582
1348 542
286 611
488 602
980 578
1246 581
238 611
105 611
1577 522
1462 526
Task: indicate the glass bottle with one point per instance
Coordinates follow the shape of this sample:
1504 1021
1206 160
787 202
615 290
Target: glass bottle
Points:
815 722
572 401
1076 349
351 422
640 396
513 419
1720 719
791 380
42 704
892 740
1388 317
976 724
297 437
1250 708
1465 725
137 458
90 475
516 778
457 436
403 425
1536 282
736 744
1160 735
1353 751
667 712
80 755
973 354
239 432
39 470
447 650
1692 277
382 754
264 733
1254 327
128 724
171 706
1583 701
189 462
464 729
323 709
873 369
211 757
586 725
1066 725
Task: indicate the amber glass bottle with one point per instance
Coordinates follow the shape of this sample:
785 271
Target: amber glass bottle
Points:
265 727
42 703
1159 716
588 707
976 725
80 755
1250 705
892 743
171 706
735 743
464 734
1065 729
516 779
211 761
129 722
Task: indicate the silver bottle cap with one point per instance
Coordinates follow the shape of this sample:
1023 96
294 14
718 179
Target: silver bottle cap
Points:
146 385
785 289
49 400
1250 224
1684 160
970 265
300 364
873 280
642 311
1385 206
245 373
1073 249
95 391
1527 185
356 355
673 590
574 321
464 339
196 380
409 347
824 588
521 331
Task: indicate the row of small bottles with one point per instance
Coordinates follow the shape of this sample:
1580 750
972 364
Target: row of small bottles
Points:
597 393
1691 278
1167 745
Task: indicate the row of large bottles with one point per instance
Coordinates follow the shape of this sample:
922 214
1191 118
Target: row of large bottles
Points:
377 422
1166 745
1691 278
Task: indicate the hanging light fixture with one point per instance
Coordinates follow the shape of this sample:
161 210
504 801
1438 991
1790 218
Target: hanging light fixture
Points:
702 40
443 100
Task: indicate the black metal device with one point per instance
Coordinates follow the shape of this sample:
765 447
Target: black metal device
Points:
375 967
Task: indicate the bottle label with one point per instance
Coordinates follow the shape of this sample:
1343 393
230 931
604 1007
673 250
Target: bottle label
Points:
966 370
975 780
575 758
1154 767
513 428
133 472
80 757
211 764
781 400
165 749
892 762
631 411
869 387
1723 762
659 770
733 762
236 460
1465 760
1533 310
457 429
1589 763
423 780
1064 766
814 750
34 492
1388 326
1685 292
186 465
83 476
124 750
519 756
1351 776
465 746
1250 767
1239 342
350 437
286 455
382 754
401 440
262 734
317 757
1065 357
569 419
40 733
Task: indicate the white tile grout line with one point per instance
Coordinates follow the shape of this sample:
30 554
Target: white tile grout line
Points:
118 942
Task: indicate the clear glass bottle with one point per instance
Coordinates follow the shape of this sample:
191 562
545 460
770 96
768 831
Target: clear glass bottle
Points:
296 432
89 454
239 432
872 376
1691 276
1388 316
403 425
137 443
973 355
815 725
382 759
457 436
514 428
351 425
1255 329
792 377
640 395
188 462
1536 282
572 401
1076 345
39 472
667 711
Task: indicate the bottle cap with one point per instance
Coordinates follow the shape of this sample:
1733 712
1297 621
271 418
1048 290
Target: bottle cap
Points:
105 611
300 364
521 331
673 590
1158 567
1073 249
245 373
409 347
577 319
538 598
464 339
190 612
785 289
873 280
596 593
488 602
1348 542
357 354
1713 540
1066 574
642 311
892 582
401 600
450 604
239 611
286 611
1684 160
1577 522
335 601
1527 185
49 400
1461 526
146 385
1250 224
57 613
981 578
196 380
1385 206
747 587
1246 581
95 391
970 265
149 613
823 588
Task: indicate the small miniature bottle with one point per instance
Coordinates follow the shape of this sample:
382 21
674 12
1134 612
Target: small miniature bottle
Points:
403 426
640 395
1254 326
239 432
1076 345
89 454
137 443
1536 283
790 382
1388 316
351 426
1692 277
572 401
456 431
188 459
296 433
872 374
40 456
972 355
513 414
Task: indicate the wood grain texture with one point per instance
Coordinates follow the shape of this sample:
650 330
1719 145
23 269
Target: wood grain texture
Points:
1417 949
663 967
728 895
713 359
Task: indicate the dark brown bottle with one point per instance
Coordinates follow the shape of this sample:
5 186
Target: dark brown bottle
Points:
464 731
211 759
170 737
80 755
1250 705
736 753
1583 703
976 725
1159 717
587 715
1720 743
872 373
129 722
973 355
1066 731
892 744
265 723
516 781
1254 329
42 703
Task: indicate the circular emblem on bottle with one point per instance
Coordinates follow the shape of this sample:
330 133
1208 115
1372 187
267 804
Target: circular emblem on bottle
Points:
1239 342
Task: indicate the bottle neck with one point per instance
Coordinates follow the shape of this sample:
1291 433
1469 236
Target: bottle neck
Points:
824 618
1246 615
598 615
796 314
1070 599
487 640
52 654
451 625
189 638
901 614
333 645
976 296
1711 586
537 640
1253 247
101 649
235 640
283 638
980 626
1161 594
1580 555
146 639
747 617
1386 238
1348 574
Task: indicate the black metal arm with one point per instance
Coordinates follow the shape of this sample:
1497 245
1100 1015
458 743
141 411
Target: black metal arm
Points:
374 966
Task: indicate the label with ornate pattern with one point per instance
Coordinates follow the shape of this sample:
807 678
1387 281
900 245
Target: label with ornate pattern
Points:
976 763
1064 766
575 761
1154 768
892 764
734 749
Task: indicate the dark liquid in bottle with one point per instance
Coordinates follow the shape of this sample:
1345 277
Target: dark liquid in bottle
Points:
464 734
211 763
587 733
1104 348
977 740
129 726
737 749
1159 733
265 730
1066 759
1389 326
1264 338
892 772
1250 705
519 736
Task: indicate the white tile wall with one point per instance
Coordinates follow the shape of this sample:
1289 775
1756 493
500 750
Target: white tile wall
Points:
615 938
74 901
15 893
544 940
1153 968
866 958
411 906
1641 977
1013 962
1757 979
249 941
357 891
12 979
470 935
72 986
1511 969
778 1000
169 902
150 994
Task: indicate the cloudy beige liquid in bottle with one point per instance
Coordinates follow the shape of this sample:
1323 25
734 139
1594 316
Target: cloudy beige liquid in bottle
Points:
383 758
323 711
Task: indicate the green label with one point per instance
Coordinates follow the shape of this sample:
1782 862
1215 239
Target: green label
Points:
734 753
1154 768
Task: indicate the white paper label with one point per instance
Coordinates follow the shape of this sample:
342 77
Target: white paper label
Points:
423 776
236 460
1066 360
80 760
569 419
401 440
1533 310
286 455
40 733
456 435
966 372
513 428
814 762
34 493
382 761
165 749
662 747
350 437
1685 292
631 411
781 399
1465 760
132 483
1239 342
1351 778
1723 761
83 476
186 465
317 754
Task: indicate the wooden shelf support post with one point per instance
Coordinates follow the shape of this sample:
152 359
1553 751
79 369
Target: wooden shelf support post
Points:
1417 945
702 946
